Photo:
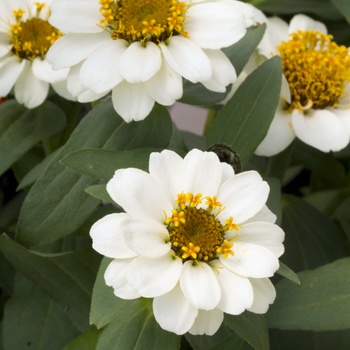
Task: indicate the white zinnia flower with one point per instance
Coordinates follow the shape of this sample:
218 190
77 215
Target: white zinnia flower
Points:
140 50
25 37
195 237
314 105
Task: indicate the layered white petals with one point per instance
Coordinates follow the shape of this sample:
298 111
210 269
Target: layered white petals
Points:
107 238
165 87
251 260
265 215
200 286
29 90
236 291
187 59
344 117
279 136
42 70
140 62
135 190
261 233
302 22
207 322
264 295
243 196
78 16
100 72
116 277
71 49
132 101
321 129
10 70
209 23
223 71
174 312
154 277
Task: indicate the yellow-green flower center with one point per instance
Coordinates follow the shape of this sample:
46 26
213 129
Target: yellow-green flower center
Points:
195 232
317 69
32 38
143 20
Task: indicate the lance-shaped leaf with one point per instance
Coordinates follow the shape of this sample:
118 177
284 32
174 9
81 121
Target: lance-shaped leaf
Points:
243 122
57 204
320 303
21 129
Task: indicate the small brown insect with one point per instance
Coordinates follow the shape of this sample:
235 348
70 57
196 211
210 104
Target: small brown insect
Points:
227 155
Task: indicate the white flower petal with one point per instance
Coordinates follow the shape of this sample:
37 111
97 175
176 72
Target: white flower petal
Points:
131 101
243 196
115 276
236 291
173 312
145 237
251 260
223 71
213 25
139 194
200 173
29 90
207 322
42 70
265 215
107 236
321 129
344 117
262 233
165 87
227 172
200 286
165 168
71 49
154 277
76 16
62 90
264 295
5 47
187 59
100 71
279 136
10 70
302 22
140 62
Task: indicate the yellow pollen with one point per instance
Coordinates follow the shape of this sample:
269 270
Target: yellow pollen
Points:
32 38
230 225
190 251
143 20
193 200
212 202
226 249
176 218
181 200
316 68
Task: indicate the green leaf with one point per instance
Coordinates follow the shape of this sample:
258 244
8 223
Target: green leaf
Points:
100 192
67 278
85 341
288 273
312 239
251 327
21 129
57 204
223 339
243 122
344 8
34 321
137 330
274 201
240 52
320 303
101 164
321 8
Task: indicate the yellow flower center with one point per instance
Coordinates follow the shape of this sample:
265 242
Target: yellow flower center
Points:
143 20
32 38
196 233
317 69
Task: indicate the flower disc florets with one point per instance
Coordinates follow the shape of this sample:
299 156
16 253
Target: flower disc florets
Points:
195 237
145 20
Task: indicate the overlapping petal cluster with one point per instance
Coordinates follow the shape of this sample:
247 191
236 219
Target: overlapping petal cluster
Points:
195 237
140 51
25 37
315 101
